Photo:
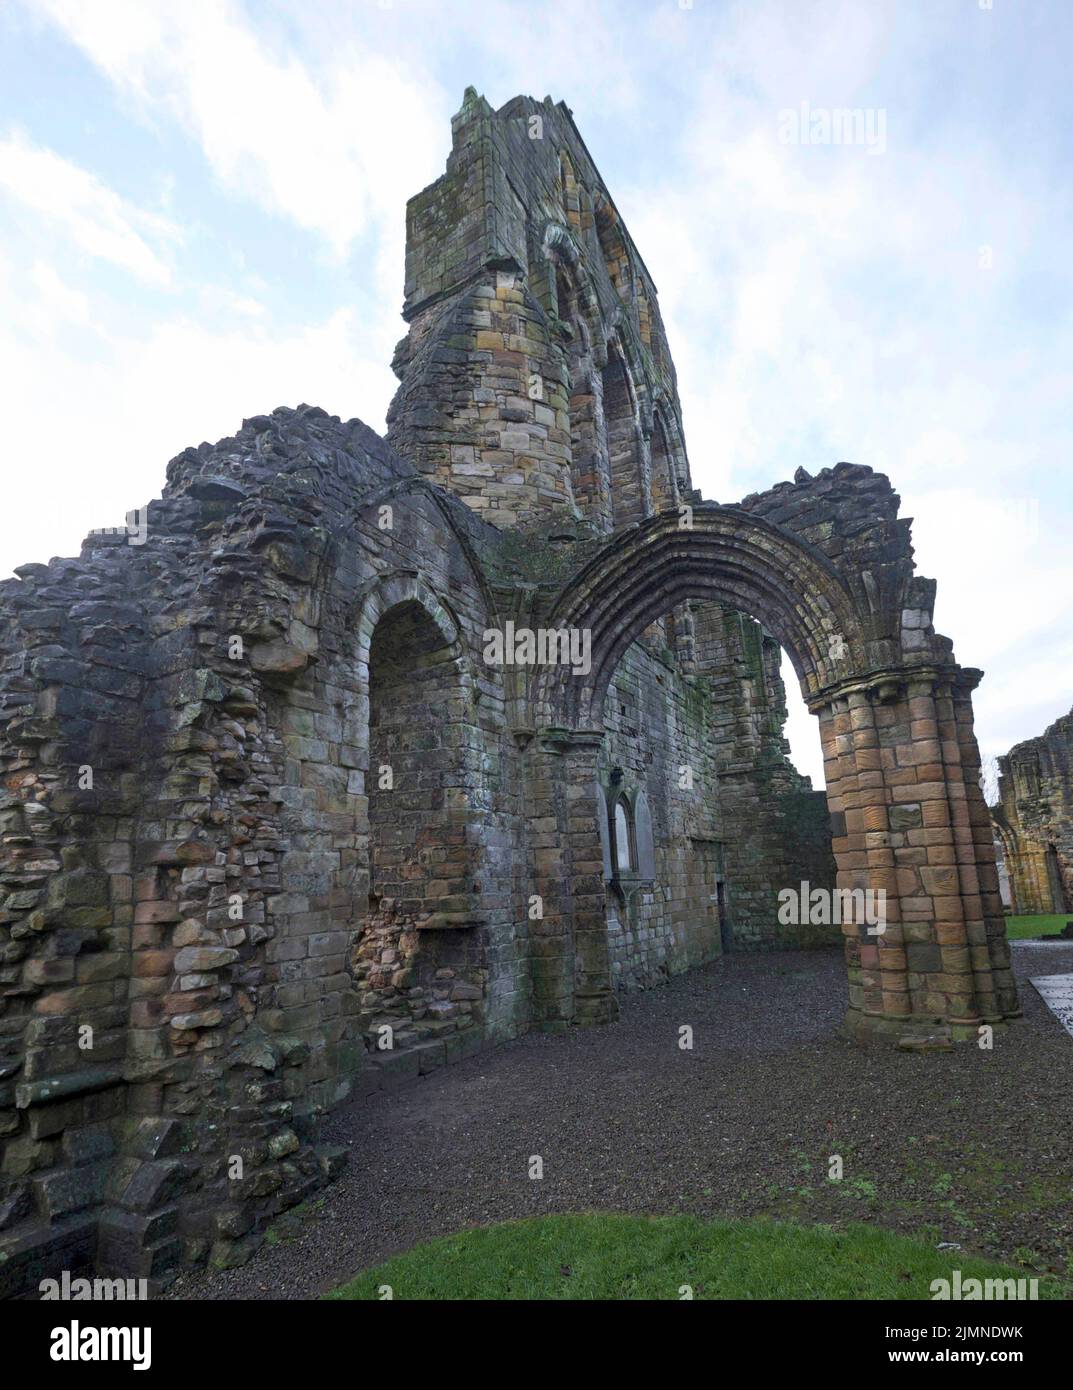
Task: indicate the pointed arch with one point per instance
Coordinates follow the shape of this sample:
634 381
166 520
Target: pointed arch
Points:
578 315
630 494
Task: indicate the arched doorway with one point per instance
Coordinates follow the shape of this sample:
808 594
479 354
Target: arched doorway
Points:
902 765
418 953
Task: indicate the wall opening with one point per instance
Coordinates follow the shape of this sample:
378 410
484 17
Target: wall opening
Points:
416 942
623 443
731 820
664 491
625 858
1059 898
588 458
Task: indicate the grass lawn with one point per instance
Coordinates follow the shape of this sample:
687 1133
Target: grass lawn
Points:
599 1256
1017 928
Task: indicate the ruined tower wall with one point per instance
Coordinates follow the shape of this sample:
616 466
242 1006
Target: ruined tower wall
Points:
538 386
1034 817
527 302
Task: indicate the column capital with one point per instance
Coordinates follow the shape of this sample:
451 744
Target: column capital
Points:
886 685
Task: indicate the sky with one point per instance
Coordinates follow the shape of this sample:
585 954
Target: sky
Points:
202 217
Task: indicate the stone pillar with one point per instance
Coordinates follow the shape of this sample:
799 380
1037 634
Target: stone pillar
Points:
571 971
882 954
972 955
908 817
841 778
940 977
550 941
594 999
988 946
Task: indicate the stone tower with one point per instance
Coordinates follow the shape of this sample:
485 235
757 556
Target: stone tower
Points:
536 377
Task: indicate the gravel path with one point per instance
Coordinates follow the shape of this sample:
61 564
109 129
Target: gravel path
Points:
970 1146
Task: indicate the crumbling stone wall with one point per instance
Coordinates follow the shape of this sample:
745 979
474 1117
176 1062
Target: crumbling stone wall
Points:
213 911
1034 818
656 726
536 367
184 754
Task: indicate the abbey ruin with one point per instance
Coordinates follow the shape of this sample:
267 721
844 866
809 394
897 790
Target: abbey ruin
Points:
1034 820
286 817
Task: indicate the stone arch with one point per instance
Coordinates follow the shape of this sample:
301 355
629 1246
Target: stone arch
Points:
908 819
415 896
725 555
578 314
1013 857
560 249
588 456
406 586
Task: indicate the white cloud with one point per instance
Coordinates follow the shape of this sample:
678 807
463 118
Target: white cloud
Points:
60 302
99 222
139 400
332 150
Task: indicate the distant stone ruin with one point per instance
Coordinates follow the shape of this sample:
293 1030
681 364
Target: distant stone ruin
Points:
368 754
1034 820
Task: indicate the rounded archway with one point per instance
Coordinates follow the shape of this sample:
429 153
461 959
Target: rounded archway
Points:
416 915
704 552
922 929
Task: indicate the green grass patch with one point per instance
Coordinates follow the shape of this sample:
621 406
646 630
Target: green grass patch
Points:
1018 928
599 1256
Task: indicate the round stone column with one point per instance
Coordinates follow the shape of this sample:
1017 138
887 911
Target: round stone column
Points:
988 946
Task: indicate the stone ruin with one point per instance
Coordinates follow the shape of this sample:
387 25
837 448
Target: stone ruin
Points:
1034 820
276 832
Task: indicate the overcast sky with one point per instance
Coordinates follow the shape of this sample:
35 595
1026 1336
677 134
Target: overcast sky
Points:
203 202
